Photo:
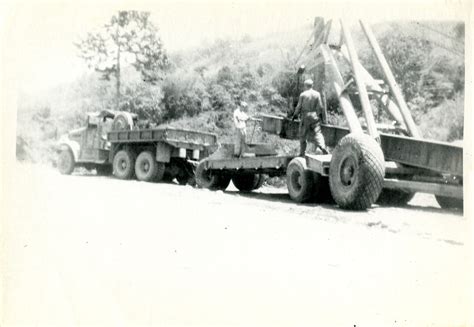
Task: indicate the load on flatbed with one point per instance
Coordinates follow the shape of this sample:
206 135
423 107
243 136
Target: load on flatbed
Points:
365 165
111 143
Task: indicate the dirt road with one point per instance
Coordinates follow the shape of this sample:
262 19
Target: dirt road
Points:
96 251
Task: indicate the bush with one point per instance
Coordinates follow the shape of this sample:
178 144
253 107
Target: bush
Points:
446 121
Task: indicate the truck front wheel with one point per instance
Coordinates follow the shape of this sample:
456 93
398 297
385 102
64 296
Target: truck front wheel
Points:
66 162
124 162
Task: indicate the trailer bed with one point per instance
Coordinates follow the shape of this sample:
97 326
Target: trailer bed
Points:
177 137
272 165
440 157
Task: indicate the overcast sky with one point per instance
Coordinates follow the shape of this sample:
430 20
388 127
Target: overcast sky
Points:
41 35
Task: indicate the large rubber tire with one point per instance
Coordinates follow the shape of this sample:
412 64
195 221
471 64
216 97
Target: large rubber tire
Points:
390 197
205 178
299 180
147 169
123 121
446 202
246 182
356 172
66 162
124 164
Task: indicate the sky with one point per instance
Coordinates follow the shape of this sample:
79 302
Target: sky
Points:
39 36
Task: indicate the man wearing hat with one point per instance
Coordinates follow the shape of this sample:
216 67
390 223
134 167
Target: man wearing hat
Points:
310 106
240 119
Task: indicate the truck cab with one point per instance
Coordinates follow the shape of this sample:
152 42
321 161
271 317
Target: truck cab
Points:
87 146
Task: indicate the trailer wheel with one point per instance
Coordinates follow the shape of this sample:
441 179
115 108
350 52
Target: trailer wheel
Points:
206 179
447 202
247 182
66 162
356 172
123 165
147 169
299 180
390 197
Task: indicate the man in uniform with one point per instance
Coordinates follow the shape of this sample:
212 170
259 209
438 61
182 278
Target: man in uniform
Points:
240 119
310 106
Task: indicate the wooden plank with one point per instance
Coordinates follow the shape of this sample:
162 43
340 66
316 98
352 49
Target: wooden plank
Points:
454 191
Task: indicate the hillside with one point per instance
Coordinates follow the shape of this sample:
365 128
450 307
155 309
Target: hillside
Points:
202 85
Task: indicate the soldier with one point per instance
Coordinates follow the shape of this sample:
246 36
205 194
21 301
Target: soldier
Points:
240 118
311 106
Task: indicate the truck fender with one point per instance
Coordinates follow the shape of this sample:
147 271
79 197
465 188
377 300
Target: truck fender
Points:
73 146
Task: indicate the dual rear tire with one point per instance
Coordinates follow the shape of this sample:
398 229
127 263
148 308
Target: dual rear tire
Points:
126 165
205 178
248 182
123 164
244 182
147 169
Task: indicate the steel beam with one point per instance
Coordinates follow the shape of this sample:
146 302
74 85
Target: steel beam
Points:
397 93
454 191
338 85
363 95
437 156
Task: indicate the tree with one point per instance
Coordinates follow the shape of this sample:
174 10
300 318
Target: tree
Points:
130 37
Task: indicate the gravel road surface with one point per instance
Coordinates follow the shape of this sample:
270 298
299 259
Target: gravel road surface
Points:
95 251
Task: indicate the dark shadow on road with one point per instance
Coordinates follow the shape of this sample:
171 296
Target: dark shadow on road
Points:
282 198
285 198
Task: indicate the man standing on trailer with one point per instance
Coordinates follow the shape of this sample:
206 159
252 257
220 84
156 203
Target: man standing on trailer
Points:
311 107
240 118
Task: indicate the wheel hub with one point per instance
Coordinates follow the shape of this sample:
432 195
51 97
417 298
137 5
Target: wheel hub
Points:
297 180
348 171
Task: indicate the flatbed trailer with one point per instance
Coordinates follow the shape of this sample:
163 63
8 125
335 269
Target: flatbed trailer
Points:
365 165
247 173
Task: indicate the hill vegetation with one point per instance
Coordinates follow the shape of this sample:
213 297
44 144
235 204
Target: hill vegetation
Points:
202 86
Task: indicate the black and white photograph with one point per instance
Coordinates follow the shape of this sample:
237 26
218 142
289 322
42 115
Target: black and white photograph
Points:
235 163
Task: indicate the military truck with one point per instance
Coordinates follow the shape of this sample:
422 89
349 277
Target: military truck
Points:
112 142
